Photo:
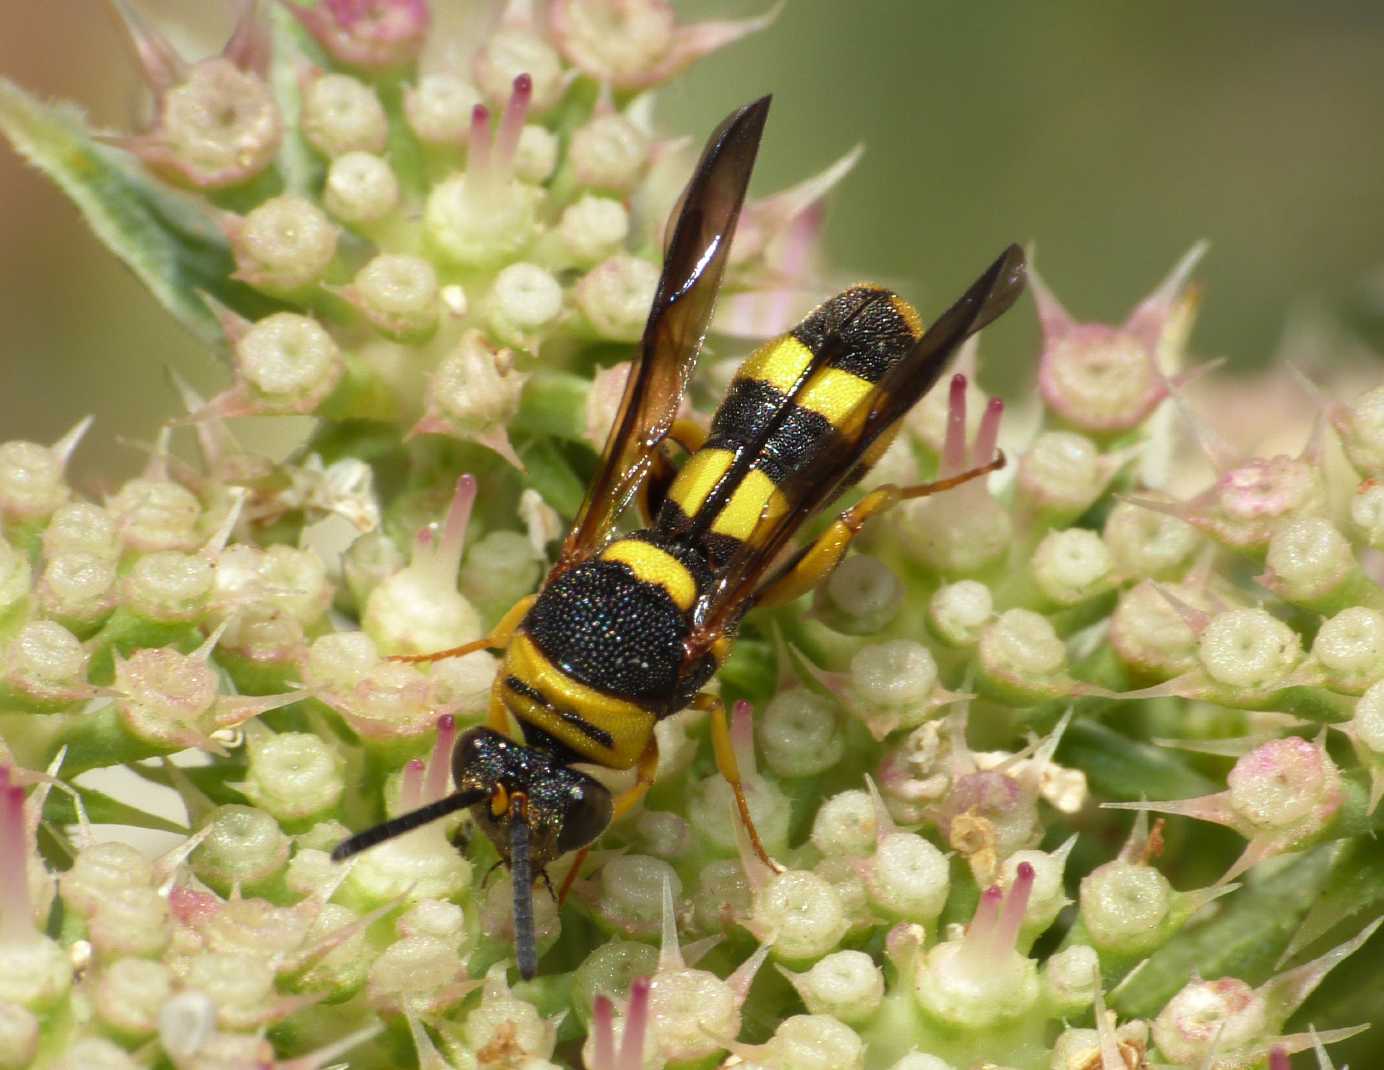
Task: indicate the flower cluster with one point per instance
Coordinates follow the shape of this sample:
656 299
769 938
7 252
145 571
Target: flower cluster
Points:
447 263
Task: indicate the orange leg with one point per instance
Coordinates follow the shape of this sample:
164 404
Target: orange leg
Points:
496 640
626 801
729 768
816 561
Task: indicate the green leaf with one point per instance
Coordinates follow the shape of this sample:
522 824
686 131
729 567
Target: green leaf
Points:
1356 891
103 809
166 237
1118 767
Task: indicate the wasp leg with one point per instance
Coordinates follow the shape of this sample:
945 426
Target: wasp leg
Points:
816 561
623 804
496 640
729 768
690 437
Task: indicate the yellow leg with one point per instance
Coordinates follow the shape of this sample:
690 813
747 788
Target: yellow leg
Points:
496 640
644 772
730 768
815 563
690 437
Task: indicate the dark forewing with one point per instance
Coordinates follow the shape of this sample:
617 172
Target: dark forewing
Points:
698 243
812 489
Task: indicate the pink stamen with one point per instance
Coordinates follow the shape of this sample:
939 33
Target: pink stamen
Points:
989 434
1278 1059
17 922
604 1024
441 556
636 1025
440 763
954 447
986 916
478 162
411 792
1015 907
512 122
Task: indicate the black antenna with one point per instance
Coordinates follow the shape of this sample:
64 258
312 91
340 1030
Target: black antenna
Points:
397 826
521 872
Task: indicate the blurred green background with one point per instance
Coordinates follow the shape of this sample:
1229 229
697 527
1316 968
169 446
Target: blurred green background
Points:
1113 135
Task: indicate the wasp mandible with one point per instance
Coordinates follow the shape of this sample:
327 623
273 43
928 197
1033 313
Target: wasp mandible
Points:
628 628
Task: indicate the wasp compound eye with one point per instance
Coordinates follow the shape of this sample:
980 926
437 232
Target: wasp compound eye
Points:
587 812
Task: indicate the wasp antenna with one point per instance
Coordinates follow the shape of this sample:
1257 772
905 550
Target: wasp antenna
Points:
521 871
397 826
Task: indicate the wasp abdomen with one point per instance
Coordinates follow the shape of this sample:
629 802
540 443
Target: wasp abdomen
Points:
794 402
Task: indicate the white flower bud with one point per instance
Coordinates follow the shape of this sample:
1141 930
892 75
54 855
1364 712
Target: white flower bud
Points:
421 865
81 527
35 973
186 1023
436 918
473 225
918 1060
1147 544
360 188
78 588
476 388
99 871
1061 475
799 915
847 985
523 301
218 127
536 154
632 891
284 245
722 896
845 825
245 846
131 921
1150 636
593 228
169 586
18 1037
1248 648
342 970
615 296
896 675
156 514
1020 648
1099 381
816 1042
1284 783
860 597
711 803
15 576
618 43
608 153
95 1053
1368 722
290 362
1367 512
45 661
241 986
1124 906
956 538
693 1014
162 693
1308 560
341 115
500 569
31 480
510 1025
338 661
800 734
399 295
439 109
408 975
1072 978
368 561
908 878
609 970
1350 647
1225 1015
1071 566
959 611
1361 428
293 775
510 52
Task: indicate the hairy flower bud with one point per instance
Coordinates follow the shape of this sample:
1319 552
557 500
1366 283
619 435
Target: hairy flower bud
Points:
847 985
800 734
156 514
399 296
860 597
524 300
361 189
592 228
439 107
341 115
608 153
1147 544
959 612
1071 566
1248 648
284 245
245 846
799 915
615 296
290 363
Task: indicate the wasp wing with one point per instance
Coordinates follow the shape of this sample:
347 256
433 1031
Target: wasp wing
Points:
812 489
698 245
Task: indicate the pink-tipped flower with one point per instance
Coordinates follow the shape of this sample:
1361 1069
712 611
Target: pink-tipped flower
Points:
620 1041
1104 379
373 36
982 978
473 394
963 530
1282 796
1225 1024
635 44
216 123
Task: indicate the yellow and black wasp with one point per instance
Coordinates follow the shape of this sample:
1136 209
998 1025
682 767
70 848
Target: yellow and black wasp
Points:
628 629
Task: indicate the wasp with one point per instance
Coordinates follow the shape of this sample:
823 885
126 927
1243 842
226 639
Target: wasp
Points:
627 629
